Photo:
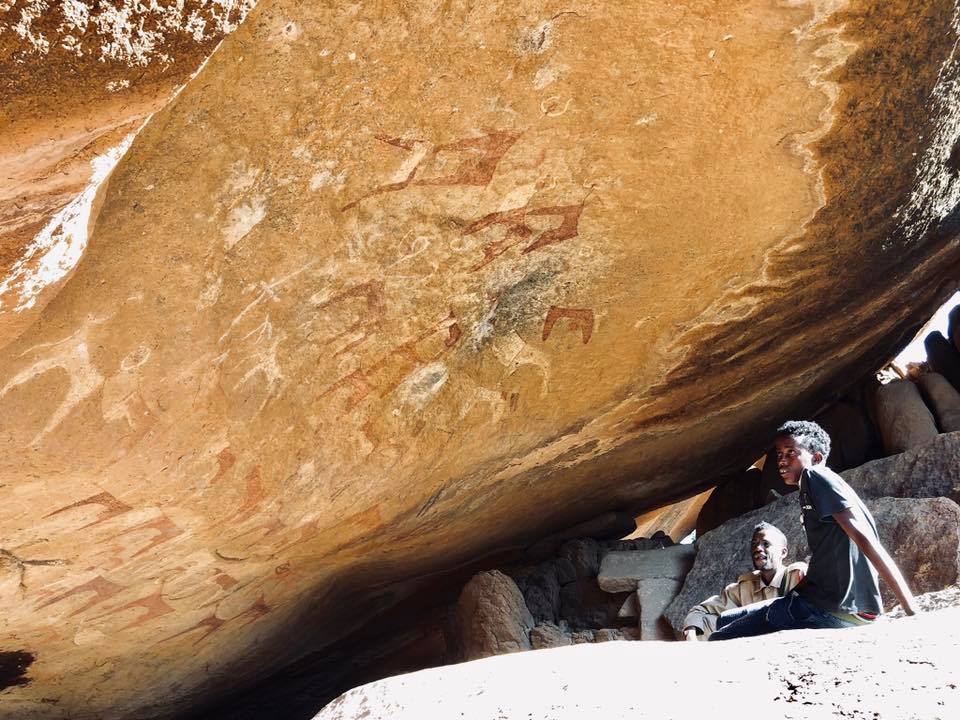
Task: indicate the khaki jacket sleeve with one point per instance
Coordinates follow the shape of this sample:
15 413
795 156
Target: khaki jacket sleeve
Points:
796 572
704 616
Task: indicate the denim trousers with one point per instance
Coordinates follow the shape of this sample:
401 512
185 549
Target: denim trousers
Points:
787 613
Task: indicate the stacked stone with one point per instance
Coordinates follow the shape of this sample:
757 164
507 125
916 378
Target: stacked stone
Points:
557 601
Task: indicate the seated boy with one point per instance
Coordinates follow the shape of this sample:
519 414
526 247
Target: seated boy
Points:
841 588
769 580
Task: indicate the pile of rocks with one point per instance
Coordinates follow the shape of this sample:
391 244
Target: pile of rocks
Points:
599 590
585 593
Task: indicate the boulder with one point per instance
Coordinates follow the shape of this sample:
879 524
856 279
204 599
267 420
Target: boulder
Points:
943 398
853 437
922 535
895 670
548 635
903 420
390 287
621 571
943 357
491 617
615 634
541 590
583 555
566 571
586 607
651 543
931 470
732 497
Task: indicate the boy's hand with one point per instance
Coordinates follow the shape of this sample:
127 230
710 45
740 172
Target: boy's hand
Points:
911 608
690 634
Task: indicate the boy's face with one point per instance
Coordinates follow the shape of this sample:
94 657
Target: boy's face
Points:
792 458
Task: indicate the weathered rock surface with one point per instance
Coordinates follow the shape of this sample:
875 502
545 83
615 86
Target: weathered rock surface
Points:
896 670
654 595
853 438
932 470
391 286
903 419
491 617
76 78
548 635
621 571
585 606
922 535
540 587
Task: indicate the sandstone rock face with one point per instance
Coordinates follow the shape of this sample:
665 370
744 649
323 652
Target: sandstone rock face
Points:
922 536
391 286
77 78
491 617
896 670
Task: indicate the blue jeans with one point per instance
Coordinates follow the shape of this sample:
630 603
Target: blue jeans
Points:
787 613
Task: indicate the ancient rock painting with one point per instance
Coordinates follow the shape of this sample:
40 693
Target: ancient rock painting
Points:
162 530
154 605
111 508
480 157
101 589
517 230
72 356
387 372
581 318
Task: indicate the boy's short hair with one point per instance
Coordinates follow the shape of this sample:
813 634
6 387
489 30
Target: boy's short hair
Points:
770 530
807 434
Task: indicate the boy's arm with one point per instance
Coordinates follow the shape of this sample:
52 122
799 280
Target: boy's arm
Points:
854 525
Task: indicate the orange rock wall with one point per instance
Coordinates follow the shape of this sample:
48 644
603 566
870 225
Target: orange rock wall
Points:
390 286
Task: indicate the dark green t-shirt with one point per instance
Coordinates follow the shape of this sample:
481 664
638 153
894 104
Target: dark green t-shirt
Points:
840 577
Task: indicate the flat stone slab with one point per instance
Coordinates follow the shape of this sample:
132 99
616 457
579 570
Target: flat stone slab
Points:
622 571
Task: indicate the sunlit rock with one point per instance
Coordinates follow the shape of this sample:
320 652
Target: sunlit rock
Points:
391 286
78 78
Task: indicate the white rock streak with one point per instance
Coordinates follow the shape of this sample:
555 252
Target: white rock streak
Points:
58 247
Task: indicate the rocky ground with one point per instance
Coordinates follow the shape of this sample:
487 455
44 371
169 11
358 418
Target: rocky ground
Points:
905 668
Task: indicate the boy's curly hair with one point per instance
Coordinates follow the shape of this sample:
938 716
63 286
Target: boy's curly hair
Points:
808 435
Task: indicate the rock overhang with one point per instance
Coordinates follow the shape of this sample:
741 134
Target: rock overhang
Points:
382 292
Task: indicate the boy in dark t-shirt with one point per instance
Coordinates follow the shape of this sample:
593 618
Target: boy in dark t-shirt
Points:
846 555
